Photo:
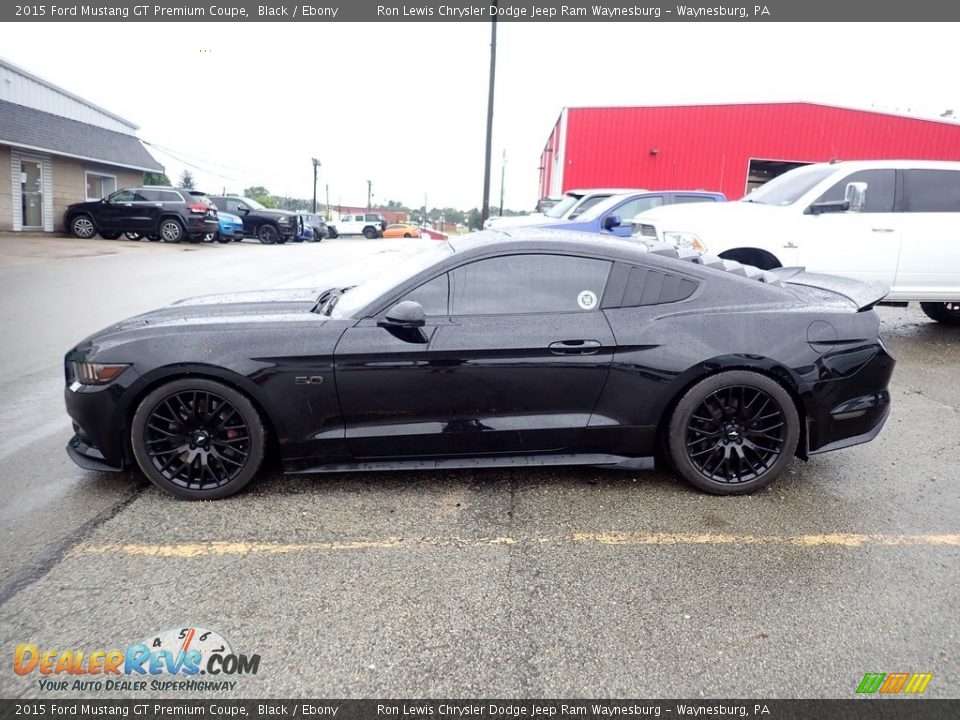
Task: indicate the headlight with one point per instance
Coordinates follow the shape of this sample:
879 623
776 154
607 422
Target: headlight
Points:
96 373
684 240
283 220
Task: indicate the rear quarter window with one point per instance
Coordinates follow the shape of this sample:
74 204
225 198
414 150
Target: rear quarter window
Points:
634 286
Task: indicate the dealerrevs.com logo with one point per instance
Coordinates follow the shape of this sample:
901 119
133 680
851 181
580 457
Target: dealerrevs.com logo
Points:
191 659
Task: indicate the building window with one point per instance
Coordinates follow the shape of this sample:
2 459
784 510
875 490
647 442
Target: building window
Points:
99 185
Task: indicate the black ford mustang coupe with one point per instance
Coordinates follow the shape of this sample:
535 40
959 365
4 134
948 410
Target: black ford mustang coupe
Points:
496 351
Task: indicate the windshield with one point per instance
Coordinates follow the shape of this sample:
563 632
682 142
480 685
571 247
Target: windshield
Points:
561 208
786 189
366 292
254 204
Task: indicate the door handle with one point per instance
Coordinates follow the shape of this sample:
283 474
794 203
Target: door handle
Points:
885 230
574 347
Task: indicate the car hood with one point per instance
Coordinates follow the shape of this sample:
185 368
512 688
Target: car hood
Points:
517 221
690 216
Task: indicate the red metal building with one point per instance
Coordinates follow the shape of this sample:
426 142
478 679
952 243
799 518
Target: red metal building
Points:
730 148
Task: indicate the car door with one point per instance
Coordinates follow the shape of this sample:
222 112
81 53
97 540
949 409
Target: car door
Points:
626 212
115 215
929 225
241 210
149 206
863 245
513 358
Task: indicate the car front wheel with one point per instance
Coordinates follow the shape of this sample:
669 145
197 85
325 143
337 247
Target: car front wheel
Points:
171 231
733 432
267 234
133 236
198 439
947 313
82 226
369 233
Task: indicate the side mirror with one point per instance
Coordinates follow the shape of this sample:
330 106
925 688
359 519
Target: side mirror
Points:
611 221
245 210
406 314
833 206
856 196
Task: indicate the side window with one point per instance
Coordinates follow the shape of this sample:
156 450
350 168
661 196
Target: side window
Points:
528 284
645 286
171 196
432 295
880 188
680 199
930 191
234 206
586 205
631 208
124 196
149 195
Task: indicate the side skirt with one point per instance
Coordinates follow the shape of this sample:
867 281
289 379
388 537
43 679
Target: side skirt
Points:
615 462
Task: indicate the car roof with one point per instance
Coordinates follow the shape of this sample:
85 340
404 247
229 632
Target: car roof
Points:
893 164
603 191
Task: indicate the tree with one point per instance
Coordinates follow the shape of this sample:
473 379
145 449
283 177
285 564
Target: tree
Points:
186 180
474 220
152 178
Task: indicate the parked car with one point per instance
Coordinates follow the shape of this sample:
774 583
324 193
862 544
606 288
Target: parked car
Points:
231 228
569 207
370 225
401 230
896 222
614 215
314 227
332 231
552 348
166 213
431 233
267 225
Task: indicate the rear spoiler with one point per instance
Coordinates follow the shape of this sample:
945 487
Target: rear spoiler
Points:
863 295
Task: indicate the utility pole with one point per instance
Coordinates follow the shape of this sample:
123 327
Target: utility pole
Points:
369 193
328 202
485 212
316 164
503 173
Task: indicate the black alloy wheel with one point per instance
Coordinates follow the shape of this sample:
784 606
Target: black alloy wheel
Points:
947 313
133 236
267 234
198 439
733 432
83 227
171 231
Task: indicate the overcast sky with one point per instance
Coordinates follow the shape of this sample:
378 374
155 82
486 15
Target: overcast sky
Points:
404 105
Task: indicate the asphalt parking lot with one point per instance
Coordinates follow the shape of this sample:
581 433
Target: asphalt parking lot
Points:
496 583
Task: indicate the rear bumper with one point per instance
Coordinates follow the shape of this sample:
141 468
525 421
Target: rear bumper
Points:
202 225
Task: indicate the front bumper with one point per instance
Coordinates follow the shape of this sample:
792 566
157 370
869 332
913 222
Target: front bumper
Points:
89 457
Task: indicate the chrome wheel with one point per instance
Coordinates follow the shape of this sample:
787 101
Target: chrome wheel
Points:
171 231
83 227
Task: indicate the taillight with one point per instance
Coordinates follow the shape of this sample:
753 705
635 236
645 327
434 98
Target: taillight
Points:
197 208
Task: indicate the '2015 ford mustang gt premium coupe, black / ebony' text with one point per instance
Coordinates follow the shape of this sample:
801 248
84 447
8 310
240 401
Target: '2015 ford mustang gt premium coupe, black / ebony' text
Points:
501 350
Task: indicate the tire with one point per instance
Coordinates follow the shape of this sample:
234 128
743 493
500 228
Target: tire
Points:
284 239
109 235
407 235
82 226
317 237
267 234
194 452
946 313
195 239
222 239
209 237
332 233
170 230
369 233
133 236
733 432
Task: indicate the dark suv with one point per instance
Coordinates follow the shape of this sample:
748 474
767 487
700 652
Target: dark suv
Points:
265 224
169 214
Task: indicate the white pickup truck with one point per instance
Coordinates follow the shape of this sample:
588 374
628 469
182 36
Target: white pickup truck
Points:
895 222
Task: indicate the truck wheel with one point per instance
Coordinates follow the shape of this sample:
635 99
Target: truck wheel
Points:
369 233
171 231
332 233
947 313
267 234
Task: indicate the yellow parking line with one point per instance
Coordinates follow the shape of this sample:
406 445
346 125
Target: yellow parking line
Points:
189 550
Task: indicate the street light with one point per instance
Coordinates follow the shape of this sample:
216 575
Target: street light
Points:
316 164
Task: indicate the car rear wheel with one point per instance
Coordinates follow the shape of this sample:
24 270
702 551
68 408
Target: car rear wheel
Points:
369 233
109 235
198 439
317 236
407 235
133 236
947 313
171 231
332 234
733 432
224 239
209 237
82 226
267 234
